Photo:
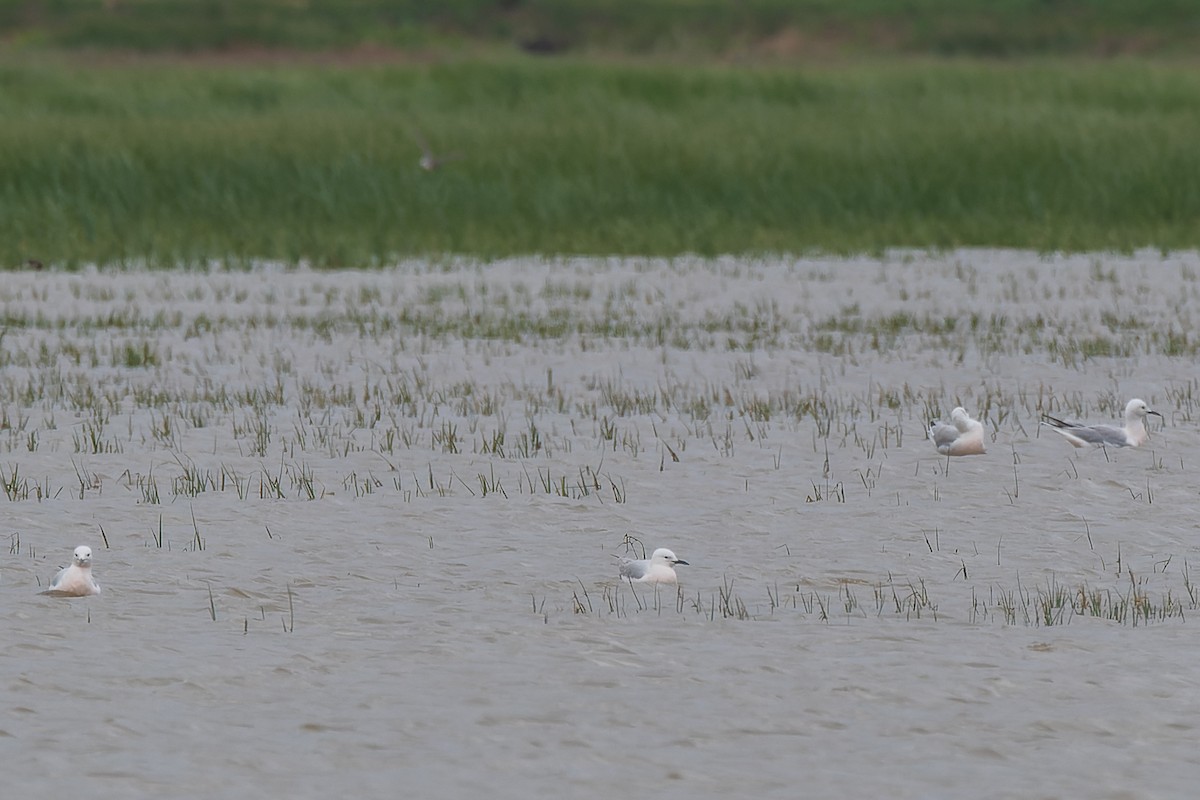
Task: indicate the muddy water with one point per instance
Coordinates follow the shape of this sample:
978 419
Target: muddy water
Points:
357 532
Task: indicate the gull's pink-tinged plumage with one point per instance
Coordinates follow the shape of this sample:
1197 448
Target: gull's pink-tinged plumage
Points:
962 436
658 568
75 580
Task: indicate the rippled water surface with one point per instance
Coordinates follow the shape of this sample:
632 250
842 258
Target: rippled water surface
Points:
358 531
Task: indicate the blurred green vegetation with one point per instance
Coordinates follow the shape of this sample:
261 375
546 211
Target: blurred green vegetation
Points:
183 164
695 28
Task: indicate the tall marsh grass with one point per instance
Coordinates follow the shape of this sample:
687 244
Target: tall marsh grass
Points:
183 164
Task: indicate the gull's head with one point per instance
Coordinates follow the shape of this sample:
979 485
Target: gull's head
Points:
664 556
83 555
1137 409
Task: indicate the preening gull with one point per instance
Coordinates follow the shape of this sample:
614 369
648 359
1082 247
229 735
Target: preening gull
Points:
962 436
658 568
1133 434
75 580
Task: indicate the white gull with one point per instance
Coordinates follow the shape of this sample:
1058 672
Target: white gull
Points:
430 161
75 580
658 568
1134 434
962 436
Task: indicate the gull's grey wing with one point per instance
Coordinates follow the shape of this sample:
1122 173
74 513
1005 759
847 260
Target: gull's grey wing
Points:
633 569
943 435
58 579
1105 435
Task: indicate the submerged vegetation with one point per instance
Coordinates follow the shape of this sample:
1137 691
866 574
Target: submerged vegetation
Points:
172 164
800 386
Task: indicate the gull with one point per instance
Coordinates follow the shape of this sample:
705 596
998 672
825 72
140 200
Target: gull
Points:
75 580
429 161
962 436
658 568
1133 434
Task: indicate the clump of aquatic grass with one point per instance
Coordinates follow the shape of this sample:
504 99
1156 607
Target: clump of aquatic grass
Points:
147 485
192 480
303 482
17 487
363 485
91 439
731 606
270 486
490 484
585 482
1055 603
910 600
829 491
88 480
240 484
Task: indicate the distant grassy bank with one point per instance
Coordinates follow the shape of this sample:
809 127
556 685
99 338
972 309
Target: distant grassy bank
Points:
173 163
700 29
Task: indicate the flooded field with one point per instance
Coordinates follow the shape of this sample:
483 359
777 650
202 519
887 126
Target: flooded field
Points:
358 532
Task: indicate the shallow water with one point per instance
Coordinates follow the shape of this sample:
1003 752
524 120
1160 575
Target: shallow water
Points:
357 532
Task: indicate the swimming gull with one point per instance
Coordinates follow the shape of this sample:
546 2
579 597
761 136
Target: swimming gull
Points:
1133 434
75 580
962 436
658 568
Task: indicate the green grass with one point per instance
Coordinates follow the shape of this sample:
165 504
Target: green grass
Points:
174 163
